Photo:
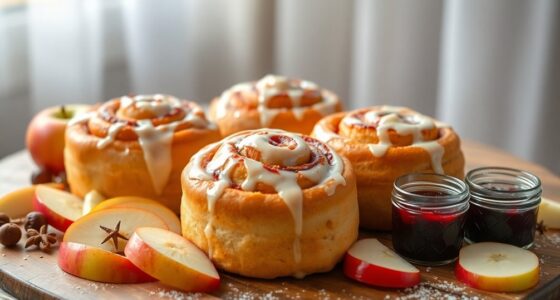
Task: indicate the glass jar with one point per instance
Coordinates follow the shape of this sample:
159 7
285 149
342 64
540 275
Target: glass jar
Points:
428 217
504 206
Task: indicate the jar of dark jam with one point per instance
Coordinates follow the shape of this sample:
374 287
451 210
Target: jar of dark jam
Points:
428 217
504 206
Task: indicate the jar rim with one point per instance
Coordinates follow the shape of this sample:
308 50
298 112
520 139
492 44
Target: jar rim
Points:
531 183
457 191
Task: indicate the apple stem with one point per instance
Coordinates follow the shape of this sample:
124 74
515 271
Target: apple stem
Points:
63 112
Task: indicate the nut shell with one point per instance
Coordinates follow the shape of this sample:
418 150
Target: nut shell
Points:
10 234
34 220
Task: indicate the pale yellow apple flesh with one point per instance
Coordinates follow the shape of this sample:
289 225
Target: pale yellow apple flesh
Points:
150 205
61 208
549 213
91 200
497 267
19 203
172 259
86 230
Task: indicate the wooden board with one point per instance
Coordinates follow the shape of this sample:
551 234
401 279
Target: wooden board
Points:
35 275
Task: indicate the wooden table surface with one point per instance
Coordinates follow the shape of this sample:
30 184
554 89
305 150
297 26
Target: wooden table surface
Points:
34 275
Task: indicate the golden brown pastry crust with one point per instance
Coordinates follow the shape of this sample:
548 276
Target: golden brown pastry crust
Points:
245 107
120 169
375 175
253 232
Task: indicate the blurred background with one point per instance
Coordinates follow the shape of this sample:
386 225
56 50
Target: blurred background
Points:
489 68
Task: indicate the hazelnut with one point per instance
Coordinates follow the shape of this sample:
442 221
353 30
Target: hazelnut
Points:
4 219
34 220
10 234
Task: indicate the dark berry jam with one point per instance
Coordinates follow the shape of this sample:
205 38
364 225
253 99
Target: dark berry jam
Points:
504 206
510 226
428 213
427 236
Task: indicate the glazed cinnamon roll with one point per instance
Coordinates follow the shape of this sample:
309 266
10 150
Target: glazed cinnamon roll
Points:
385 142
136 146
273 102
268 203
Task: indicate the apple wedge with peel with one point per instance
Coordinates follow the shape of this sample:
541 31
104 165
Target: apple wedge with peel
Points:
59 207
368 261
166 214
497 267
172 259
549 213
86 230
84 253
19 203
96 264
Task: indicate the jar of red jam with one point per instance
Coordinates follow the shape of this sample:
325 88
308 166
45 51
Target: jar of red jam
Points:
504 206
428 217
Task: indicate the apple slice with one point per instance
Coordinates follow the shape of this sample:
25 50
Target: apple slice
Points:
96 264
19 203
153 206
84 255
371 262
497 267
86 230
91 200
59 207
549 213
172 259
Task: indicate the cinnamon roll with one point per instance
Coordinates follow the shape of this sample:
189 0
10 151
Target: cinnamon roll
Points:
273 102
136 146
385 142
268 203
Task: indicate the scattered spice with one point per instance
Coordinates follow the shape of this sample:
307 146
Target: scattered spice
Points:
41 238
10 234
113 234
34 220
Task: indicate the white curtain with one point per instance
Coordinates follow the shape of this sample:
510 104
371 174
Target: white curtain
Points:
489 68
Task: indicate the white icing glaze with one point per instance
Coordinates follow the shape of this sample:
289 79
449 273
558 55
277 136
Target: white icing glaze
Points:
273 85
390 118
156 146
155 141
111 134
324 172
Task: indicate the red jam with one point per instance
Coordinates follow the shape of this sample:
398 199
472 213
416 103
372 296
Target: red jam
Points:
427 236
428 212
504 206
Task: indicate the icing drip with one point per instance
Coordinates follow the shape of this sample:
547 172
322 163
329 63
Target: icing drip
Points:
156 146
390 118
111 134
155 141
276 148
271 86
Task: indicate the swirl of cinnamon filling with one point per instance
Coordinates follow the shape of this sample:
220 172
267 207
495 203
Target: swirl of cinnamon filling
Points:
152 120
274 101
268 161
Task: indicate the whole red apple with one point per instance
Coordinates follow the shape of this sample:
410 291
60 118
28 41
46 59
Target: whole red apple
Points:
45 135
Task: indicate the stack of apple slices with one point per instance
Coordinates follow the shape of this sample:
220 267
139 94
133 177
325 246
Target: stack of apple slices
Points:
148 236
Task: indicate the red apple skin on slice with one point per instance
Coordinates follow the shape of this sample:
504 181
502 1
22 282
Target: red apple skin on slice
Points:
374 270
55 216
143 252
473 276
96 264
